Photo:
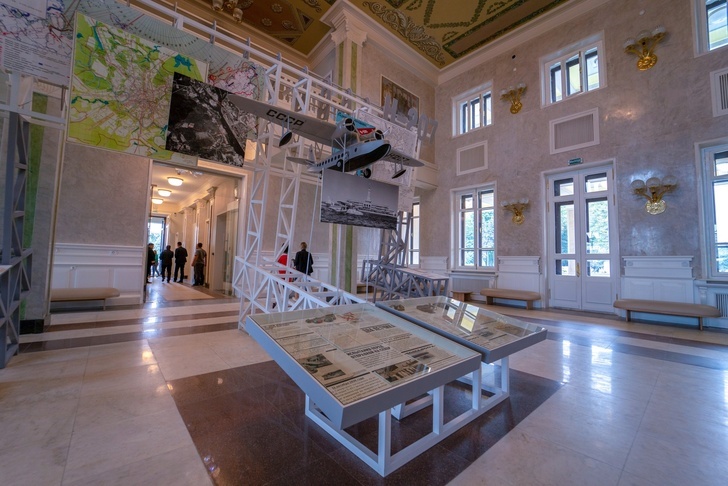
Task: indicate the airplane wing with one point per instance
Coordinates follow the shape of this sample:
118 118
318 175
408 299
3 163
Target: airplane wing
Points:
307 126
398 157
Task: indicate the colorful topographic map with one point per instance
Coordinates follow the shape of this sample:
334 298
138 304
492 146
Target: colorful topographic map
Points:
50 40
121 88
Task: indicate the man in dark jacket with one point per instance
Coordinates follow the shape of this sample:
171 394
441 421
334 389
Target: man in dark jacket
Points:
180 258
150 260
165 259
303 261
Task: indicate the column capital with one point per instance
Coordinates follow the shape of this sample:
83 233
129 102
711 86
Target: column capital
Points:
346 24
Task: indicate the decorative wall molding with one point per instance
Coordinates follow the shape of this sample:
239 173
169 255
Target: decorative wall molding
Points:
520 272
658 278
83 265
434 263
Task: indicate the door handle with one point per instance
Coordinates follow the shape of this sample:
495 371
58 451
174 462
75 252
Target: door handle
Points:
578 270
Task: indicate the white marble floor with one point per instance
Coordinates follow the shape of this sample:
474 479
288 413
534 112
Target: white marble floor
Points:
640 404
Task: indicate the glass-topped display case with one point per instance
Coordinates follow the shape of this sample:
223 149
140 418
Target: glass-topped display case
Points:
356 360
493 335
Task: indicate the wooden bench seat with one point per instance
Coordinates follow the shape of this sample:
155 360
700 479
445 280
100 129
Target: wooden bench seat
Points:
525 295
685 309
82 294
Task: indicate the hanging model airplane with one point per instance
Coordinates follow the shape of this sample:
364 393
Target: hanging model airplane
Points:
353 149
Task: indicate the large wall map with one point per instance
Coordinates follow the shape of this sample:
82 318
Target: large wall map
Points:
42 46
121 87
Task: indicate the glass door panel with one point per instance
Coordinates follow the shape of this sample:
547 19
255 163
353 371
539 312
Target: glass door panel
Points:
582 241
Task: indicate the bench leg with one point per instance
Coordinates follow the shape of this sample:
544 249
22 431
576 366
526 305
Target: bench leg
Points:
529 304
488 300
629 315
700 323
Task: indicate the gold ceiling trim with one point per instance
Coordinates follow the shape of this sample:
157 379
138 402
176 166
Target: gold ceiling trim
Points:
405 26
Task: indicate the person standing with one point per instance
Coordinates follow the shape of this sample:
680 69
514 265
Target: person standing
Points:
165 260
155 263
198 263
150 260
303 262
180 258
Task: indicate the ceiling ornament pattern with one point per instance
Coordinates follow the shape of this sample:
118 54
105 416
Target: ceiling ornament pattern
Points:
442 31
315 4
407 28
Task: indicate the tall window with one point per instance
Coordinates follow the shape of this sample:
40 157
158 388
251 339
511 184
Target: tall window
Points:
475 229
577 70
717 23
472 110
715 160
712 19
413 256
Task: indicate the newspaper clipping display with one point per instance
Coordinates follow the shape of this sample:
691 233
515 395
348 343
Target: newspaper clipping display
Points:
355 355
466 322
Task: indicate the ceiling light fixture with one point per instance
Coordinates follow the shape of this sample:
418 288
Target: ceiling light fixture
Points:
175 181
157 201
164 192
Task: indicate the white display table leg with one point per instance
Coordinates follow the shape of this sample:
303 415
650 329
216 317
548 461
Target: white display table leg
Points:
383 461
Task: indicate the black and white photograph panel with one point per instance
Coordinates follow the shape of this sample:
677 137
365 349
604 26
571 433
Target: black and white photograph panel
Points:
205 123
350 199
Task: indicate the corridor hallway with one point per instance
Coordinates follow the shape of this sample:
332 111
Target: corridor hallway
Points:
173 393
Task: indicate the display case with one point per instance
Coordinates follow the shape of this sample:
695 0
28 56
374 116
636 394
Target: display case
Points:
358 361
493 335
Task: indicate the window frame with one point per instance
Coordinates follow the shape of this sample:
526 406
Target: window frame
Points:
482 94
706 153
415 217
457 235
700 24
577 54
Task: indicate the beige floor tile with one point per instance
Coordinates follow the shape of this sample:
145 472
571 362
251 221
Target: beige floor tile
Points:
138 377
36 463
668 462
122 404
100 448
523 459
179 467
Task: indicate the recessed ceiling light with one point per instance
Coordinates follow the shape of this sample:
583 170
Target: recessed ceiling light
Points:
157 201
175 181
164 192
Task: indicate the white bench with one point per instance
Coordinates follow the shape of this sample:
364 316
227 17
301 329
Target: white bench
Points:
529 297
82 294
667 308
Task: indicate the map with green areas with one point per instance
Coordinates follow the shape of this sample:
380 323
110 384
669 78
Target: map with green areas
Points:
121 87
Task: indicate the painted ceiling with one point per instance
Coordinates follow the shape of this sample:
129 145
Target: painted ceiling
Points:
441 31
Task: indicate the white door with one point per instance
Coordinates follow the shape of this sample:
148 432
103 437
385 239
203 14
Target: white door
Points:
583 266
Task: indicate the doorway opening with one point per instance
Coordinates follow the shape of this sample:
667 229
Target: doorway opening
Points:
196 205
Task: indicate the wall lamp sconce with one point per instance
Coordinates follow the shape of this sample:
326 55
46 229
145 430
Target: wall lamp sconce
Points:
514 96
653 189
517 208
644 47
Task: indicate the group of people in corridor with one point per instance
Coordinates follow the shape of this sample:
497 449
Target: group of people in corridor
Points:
199 260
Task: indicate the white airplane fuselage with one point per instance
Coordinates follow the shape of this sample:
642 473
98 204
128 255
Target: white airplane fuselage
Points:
355 156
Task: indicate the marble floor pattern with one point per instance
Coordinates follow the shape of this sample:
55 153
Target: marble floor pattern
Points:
173 393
